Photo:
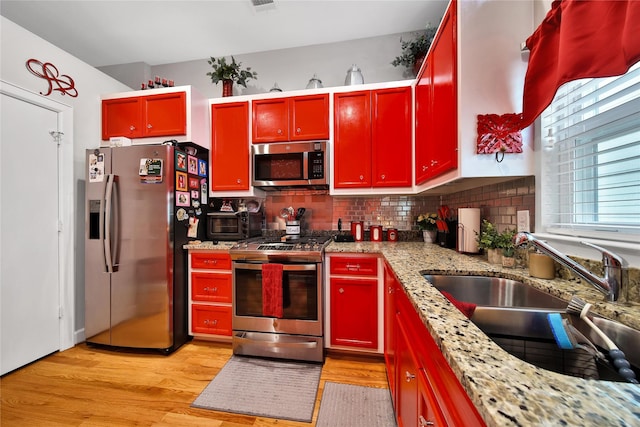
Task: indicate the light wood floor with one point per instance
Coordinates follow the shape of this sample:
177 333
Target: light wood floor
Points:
87 386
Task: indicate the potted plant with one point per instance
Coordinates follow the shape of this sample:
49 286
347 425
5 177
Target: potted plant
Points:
505 243
488 239
427 223
415 50
229 73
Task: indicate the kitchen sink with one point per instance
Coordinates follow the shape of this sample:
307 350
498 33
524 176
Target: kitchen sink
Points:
514 315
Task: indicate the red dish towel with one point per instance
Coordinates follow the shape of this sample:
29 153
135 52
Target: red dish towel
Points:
272 290
467 308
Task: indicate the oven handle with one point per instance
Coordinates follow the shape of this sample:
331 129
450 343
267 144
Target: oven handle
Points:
308 344
285 267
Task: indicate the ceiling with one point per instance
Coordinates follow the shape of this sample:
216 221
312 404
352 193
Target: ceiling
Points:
113 32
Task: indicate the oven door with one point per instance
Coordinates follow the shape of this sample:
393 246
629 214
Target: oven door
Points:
301 299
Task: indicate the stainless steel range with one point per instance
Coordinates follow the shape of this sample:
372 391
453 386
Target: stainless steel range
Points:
277 298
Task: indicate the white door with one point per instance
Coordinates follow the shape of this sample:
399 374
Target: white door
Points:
29 217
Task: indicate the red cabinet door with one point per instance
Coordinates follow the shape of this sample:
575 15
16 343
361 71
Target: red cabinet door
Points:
213 287
270 120
230 146
165 114
211 319
121 117
352 139
390 287
354 314
436 141
407 372
309 117
445 123
391 138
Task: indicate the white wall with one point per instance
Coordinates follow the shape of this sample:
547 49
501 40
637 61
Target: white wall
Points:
18 45
290 68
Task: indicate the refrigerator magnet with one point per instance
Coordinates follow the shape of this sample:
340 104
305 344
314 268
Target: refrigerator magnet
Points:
192 165
182 198
194 183
195 194
96 167
181 161
181 214
192 231
181 181
204 190
202 167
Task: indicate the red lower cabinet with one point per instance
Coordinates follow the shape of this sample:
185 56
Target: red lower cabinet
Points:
425 390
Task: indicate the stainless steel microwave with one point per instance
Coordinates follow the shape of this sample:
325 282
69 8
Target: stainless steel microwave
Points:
290 164
233 225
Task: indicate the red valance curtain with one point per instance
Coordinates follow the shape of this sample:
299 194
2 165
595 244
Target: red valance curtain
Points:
579 39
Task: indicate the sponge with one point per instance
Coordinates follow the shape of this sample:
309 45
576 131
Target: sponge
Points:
563 339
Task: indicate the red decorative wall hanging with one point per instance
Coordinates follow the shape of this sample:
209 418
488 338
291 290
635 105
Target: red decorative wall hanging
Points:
49 72
499 134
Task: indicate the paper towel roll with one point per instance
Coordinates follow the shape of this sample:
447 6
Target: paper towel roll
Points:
468 227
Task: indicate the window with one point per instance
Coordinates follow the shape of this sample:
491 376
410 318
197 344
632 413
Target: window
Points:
591 159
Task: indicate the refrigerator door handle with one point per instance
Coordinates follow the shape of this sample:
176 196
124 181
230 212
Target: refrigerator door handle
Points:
111 219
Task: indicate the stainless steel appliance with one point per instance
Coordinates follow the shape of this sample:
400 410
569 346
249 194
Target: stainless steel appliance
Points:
291 164
297 331
143 203
233 225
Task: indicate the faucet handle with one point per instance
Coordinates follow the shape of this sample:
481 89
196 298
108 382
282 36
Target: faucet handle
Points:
609 259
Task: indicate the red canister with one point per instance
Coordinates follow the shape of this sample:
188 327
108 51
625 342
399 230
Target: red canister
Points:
375 232
392 234
357 230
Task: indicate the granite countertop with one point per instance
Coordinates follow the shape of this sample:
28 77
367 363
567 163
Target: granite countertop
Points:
197 244
505 390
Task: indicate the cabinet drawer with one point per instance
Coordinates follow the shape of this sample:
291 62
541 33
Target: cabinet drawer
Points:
214 261
214 287
210 319
355 266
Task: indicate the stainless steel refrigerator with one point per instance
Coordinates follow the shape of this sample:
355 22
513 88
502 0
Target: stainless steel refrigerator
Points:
143 203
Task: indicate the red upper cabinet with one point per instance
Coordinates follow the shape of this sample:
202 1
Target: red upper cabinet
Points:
164 114
391 137
121 117
297 118
230 146
309 117
145 116
372 132
436 139
352 139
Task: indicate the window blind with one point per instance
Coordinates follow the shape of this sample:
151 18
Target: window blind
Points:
591 158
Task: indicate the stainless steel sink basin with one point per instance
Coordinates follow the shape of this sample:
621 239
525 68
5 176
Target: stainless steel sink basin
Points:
494 291
514 315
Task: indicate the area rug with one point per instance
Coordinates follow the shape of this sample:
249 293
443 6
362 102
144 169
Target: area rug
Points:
263 387
346 405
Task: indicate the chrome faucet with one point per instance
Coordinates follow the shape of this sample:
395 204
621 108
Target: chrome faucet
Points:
610 285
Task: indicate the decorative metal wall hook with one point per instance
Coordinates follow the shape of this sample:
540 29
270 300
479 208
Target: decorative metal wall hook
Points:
499 156
56 135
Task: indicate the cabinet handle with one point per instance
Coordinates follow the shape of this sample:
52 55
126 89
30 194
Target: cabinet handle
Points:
424 422
298 131
279 131
210 261
383 177
409 376
390 289
213 322
149 126
238 181
434 162
352 267
361 177
424 168
132 127
341 290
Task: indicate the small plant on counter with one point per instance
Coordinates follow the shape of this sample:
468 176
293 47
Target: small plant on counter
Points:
488 237
427 221
505 242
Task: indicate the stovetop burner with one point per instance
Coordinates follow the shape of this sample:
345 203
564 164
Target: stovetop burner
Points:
305 248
